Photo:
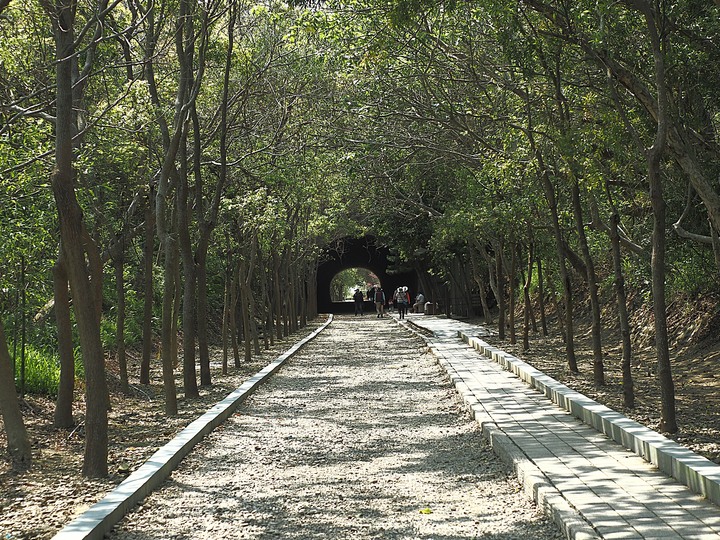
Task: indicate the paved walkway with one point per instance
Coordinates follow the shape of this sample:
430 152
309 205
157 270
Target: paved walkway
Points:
593 486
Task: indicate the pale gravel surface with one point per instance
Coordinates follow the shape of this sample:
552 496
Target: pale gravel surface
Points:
359 436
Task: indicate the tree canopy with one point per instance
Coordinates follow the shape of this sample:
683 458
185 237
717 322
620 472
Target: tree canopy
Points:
188 162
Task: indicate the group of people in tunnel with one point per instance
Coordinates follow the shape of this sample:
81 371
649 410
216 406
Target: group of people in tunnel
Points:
401 300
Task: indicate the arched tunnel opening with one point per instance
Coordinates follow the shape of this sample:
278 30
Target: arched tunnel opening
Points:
346 282
358 253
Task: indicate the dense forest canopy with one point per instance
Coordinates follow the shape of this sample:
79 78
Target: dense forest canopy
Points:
176 167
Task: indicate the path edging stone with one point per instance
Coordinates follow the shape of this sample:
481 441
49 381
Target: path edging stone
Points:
535 484
696 472
101 517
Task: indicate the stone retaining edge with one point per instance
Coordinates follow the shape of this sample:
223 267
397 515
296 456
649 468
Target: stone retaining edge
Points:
696 472
100 518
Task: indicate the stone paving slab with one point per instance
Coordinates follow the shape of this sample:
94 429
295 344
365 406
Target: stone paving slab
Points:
564 446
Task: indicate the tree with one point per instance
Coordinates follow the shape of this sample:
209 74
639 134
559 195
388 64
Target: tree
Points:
76 242
655 22
18 441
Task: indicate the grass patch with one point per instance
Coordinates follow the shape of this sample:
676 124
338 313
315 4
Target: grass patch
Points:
41 371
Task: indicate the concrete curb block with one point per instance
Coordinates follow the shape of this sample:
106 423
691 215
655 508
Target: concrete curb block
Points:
536 485
103 515
696 472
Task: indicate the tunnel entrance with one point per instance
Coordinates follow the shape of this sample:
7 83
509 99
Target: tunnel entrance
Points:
358 253
346 282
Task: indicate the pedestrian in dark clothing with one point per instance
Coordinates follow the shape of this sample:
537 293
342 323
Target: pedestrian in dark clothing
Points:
358 298
379 301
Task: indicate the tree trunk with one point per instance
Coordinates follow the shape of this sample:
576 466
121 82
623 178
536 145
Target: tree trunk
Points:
715 245
627 380
206 226
17 437
247 332
526 297
302 292
250 296
177 305
76 246
266 307
480 281
63 417
512 280
96 394
189 273
252 311
205 229
291 309
560 313
148 250
276 263
120 322
312 290
166 337
492 274
541 297
500 276
562 265
202 317
225 321
184 37
668 421
591 278
234 299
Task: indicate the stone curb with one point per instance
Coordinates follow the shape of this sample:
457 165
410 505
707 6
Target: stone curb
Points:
536 485
696 472
103 515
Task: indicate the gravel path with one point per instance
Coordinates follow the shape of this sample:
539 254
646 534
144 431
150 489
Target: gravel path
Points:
359 436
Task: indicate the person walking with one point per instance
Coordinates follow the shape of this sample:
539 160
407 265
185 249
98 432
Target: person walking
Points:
379 301
358 298
401 301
